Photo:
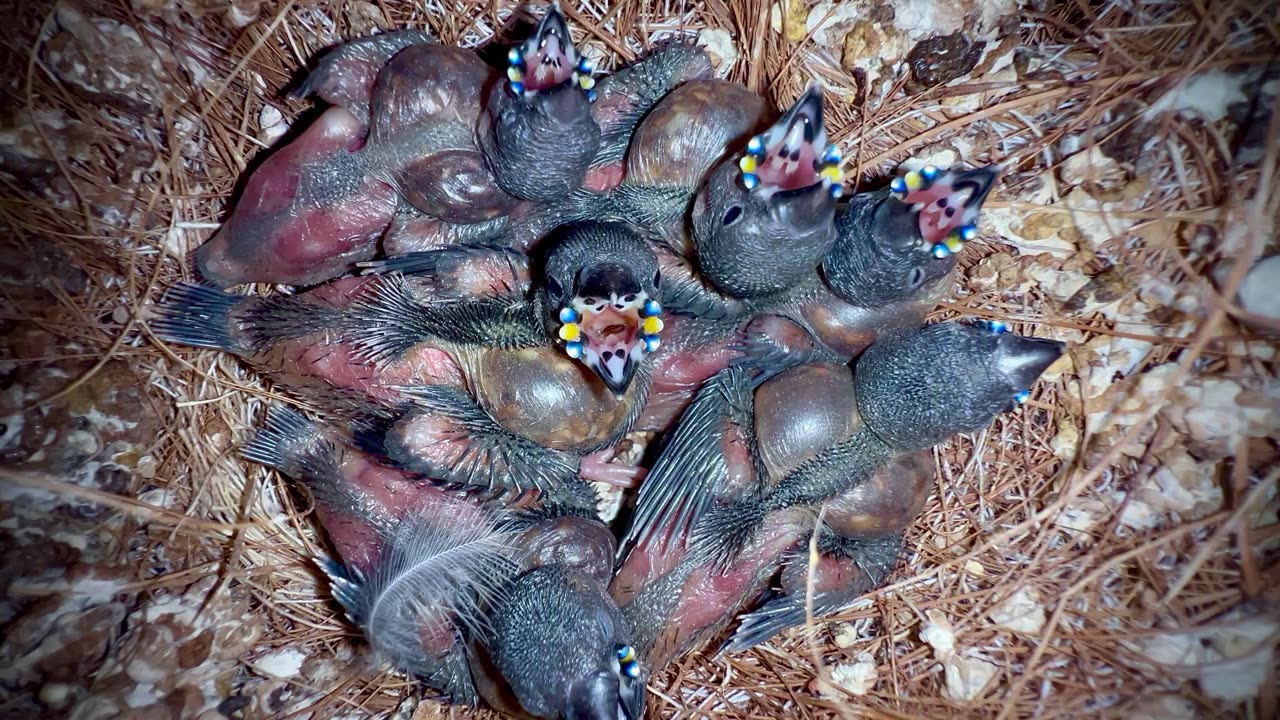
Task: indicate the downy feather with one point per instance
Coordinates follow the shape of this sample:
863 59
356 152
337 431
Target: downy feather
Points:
434 569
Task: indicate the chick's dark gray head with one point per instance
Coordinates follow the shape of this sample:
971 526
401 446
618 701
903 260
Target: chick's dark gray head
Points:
878 257
601 288
563 647
917 387
892 244
763 220
542 137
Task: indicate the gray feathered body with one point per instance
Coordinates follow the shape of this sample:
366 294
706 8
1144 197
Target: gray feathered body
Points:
756 456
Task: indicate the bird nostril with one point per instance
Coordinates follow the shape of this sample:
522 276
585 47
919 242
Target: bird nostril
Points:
614 329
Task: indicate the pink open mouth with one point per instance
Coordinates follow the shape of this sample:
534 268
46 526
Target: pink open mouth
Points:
791 162
548 60
612 331
611 344
549 65
949 203
793 154
611 335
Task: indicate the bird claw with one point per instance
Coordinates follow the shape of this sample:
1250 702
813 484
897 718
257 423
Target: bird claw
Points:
595 469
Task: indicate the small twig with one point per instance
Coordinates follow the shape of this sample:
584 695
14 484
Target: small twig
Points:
1232 524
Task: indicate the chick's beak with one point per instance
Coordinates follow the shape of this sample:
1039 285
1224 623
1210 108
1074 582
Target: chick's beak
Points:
611 324
947 202
546 60
595 698
631 701
1024 359
613 694
793 154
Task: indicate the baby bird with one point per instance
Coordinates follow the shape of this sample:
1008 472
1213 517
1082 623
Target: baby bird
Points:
893 256
443 134
305 214
563 648
428 146
885 270
541 136
622 100
760 220
470 597
512 388
764 220
742 482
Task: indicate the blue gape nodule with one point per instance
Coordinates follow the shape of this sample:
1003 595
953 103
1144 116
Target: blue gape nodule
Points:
512 268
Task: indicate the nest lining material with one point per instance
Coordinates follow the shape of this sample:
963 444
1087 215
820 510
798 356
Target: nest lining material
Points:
1109 550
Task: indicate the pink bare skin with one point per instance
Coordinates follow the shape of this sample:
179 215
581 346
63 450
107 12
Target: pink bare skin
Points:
644 564
796 414
305 215
623 96
664 550
323 366
679 369
707 601
412 231
604 179
538 393
831 575
321 203
391 495
477 275
427 102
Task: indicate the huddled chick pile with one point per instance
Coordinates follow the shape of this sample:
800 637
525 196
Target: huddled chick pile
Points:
511 270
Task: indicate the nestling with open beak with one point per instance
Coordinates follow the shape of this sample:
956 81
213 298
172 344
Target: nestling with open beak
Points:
764 220
444 134
594 295
561 364
760 227
884 271
762 204
429 146
462 144
542 136
481 377
469 596
890 265
621 101
736 493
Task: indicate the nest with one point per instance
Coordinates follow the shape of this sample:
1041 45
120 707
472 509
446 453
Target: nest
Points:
1111 549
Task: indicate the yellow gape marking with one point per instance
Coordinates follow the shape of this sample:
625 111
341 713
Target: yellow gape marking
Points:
570 332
